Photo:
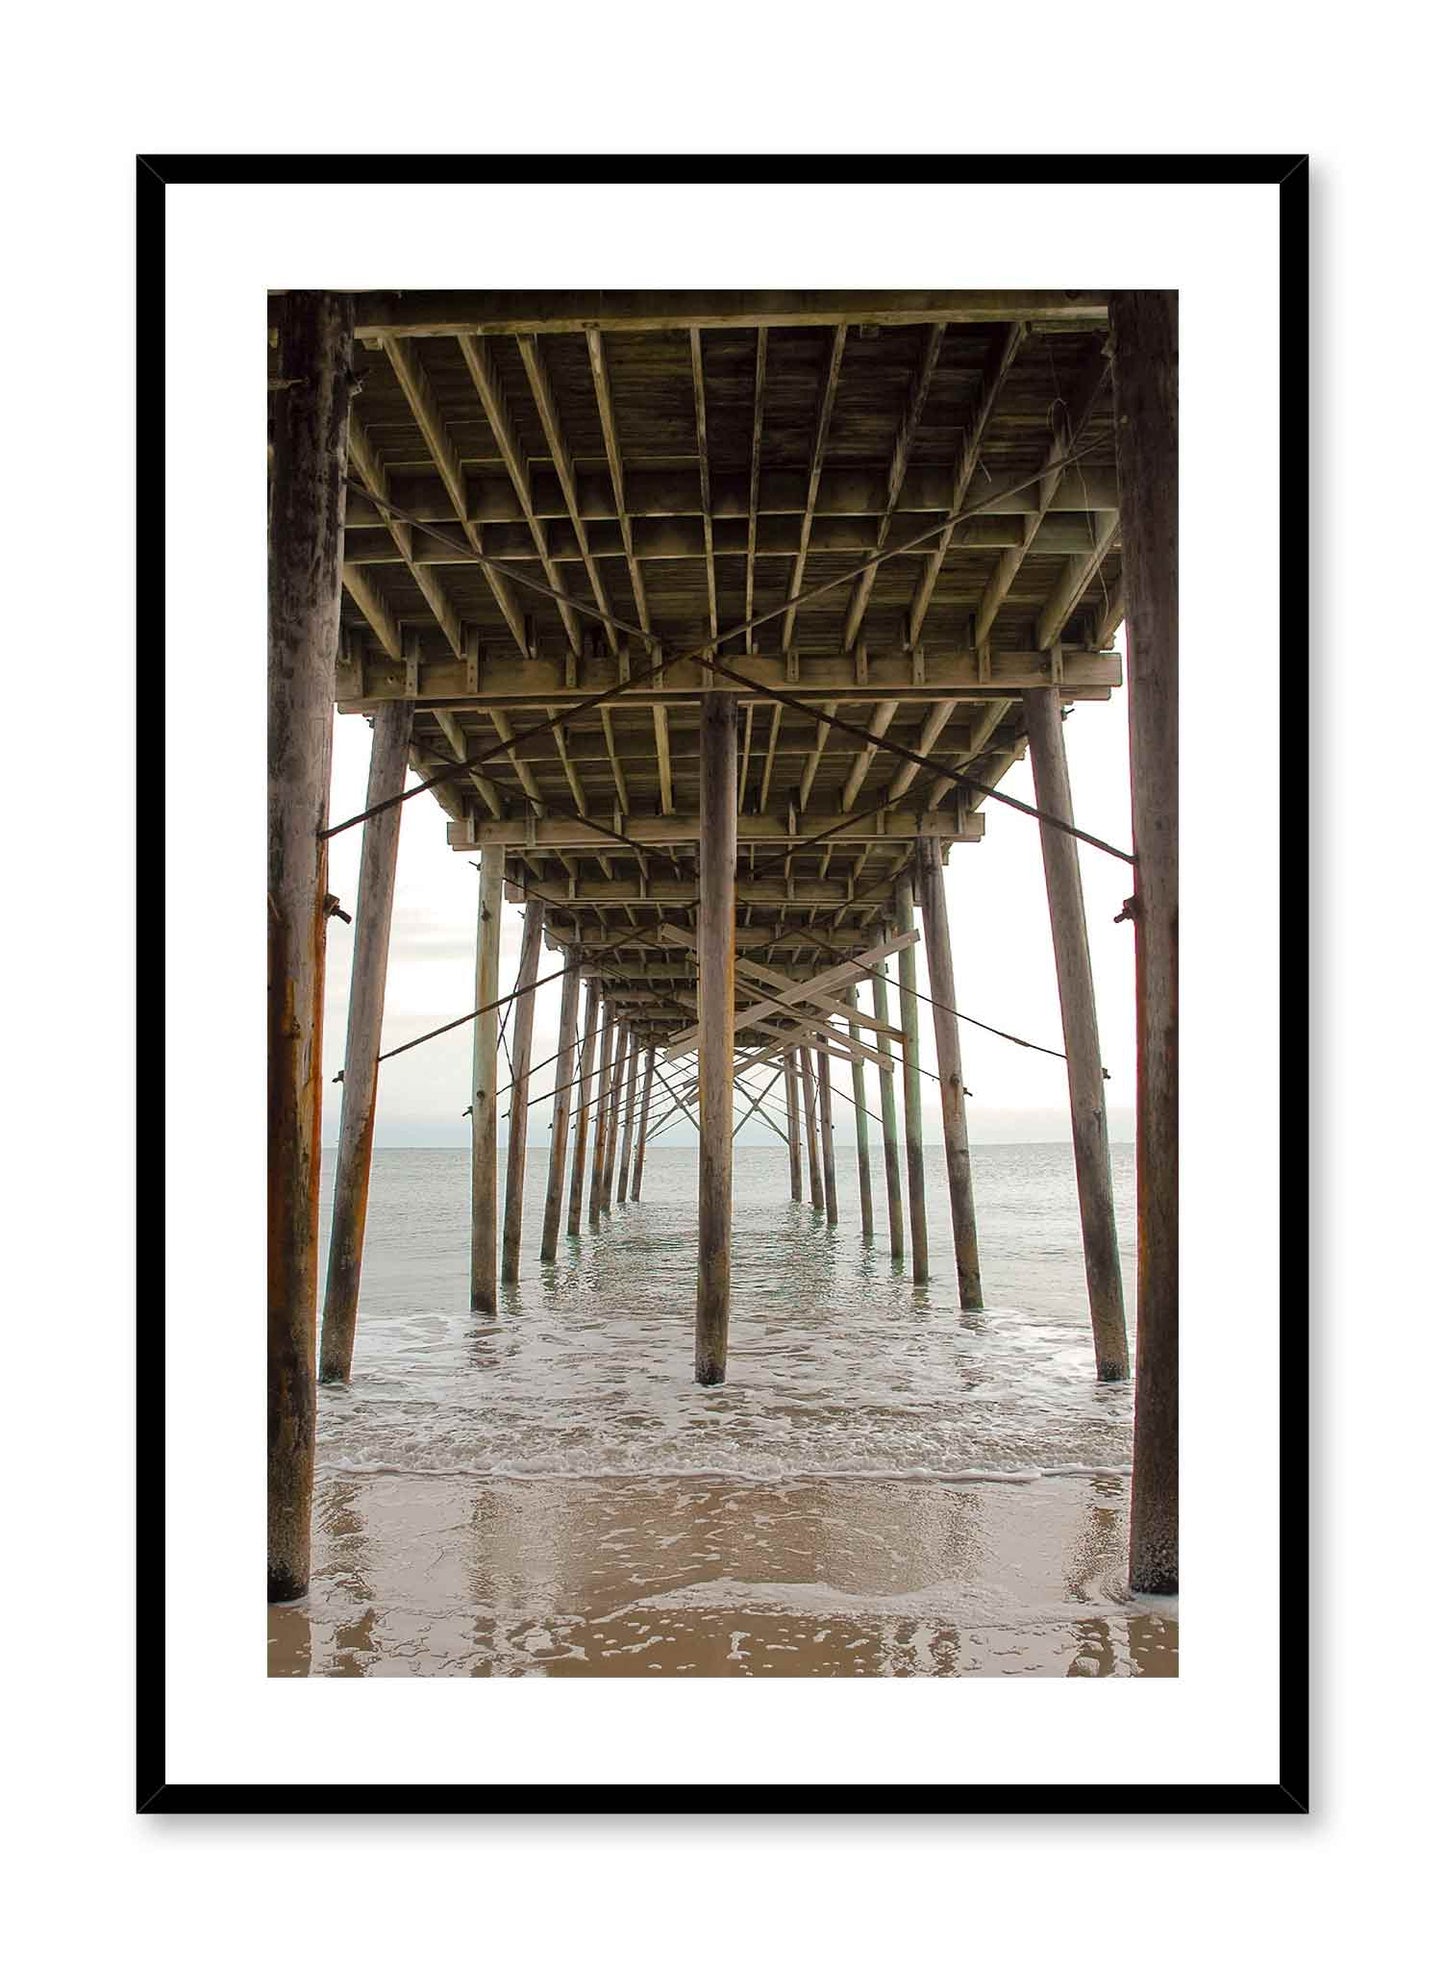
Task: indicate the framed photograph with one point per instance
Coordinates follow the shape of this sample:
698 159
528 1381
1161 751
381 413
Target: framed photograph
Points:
738 1140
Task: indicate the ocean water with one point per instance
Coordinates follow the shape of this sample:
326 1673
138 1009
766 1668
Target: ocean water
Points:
837 1364
883 1485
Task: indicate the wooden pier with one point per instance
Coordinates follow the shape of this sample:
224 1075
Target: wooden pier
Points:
712 622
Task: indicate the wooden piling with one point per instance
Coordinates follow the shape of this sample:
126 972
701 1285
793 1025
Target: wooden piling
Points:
484 1084
629 1113
860 1127
585 1096
304 612
825 1136
888 1114
561 1110
912 1082
648 1070
717 870
603 1099
614 1112
795 1147
524 1006
371 935
1146 417
933 907
1052 795
810 1129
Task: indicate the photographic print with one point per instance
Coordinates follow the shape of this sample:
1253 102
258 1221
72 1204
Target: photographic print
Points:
722 983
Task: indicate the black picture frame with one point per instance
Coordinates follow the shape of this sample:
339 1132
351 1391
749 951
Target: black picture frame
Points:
1290 1795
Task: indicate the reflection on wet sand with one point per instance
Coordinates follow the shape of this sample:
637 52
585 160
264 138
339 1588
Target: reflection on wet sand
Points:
458 1576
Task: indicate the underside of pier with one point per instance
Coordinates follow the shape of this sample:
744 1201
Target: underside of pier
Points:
714 621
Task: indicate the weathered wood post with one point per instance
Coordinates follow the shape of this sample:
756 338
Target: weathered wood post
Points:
585 1094
561 1109
304 615
390 737
1146 415
825 1136
484 1084
933 907
795 1147
603 1099
525 1006
1045 726
888 1114
912 1082
716 920
860 1126
629 1113
614 1113
810 1127
642 1122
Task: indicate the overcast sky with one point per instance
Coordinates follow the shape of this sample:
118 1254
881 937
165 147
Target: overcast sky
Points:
998 911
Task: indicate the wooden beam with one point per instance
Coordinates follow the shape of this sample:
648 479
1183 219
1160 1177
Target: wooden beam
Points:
485 1033
648 1071
628 1120
860 1124
882 717
912 1080
426 413
625 1047
898 465
603 1107
820 439
754 481
888 1116
525 1006
561 456
545 680
304 604
793 994
561 1111
371 936
1146 408
810 1124
814 759
795 1160
1005 354
933 906
456 738
1066 433
664 507
563 832
825 1134
585 1092
716 920
699 399
1089 1122
369 468
1075 580
561 311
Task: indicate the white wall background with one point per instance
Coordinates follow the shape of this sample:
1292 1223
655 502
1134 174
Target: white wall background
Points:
1353 1883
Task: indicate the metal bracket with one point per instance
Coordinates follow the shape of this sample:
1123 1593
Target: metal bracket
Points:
411 661
474 662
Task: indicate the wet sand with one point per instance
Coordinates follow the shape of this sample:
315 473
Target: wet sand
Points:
453 1575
